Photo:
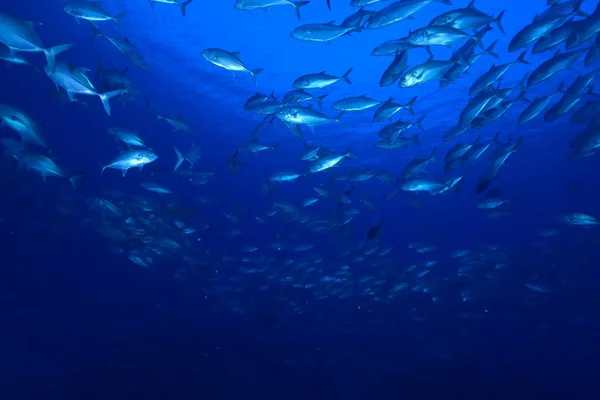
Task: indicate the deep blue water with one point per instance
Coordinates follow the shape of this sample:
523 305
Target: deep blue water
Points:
211 320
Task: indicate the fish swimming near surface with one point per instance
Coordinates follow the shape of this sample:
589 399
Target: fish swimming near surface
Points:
229 61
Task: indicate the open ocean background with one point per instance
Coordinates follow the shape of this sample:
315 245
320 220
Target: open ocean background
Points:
214 321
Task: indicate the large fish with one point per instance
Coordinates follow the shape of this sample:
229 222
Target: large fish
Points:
549 68
428 71
19 36
229 61
249 5
75 81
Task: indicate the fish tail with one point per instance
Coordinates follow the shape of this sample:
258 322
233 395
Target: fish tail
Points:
319 99
490 50
183 6
105 97
338 118
499 21
95 30
74 180
410 104
118 17
180 159
254 72
419 122
52 52
297 5
346 76
522 59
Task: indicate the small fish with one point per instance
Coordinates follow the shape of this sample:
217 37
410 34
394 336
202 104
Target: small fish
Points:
156 187
91 11
320 80
324 33
131 159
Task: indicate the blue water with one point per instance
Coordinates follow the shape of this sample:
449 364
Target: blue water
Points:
81 322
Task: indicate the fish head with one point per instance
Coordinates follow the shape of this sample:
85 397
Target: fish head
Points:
209 54
146 156
409 79
301 82
410 186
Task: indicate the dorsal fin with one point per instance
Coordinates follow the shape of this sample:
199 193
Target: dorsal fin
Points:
471 4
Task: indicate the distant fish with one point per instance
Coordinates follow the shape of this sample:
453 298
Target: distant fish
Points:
156 187
229 61
579 219
395 70
22 124
300 96
355 103
44 165
249 5
19 36
178 123
182 6
91 11
193 155
130 138
388 109
126 48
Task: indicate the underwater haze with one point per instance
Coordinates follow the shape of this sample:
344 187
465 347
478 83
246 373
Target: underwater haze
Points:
285 199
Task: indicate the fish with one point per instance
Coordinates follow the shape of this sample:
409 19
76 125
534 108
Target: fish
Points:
229 61
91 11
22 124
44 166
538 105
20 36
131 159
178 123
192 156
428 71
559 62
439 36
320 80
8 55
431 186
329 161
156 188
182 6
399 11
324 33
468 18
533 32
395 70
75 81
249 5
418 165
355 103
358 20
494 74
257 99
126 48
579 219
306 116
301 95
388 109
129 137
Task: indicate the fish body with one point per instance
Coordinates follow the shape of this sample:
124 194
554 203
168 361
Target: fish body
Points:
229 61
494 74
329 161
468 18
130 159
320 80
20 36
388 109
579 219
43 165
324 33
300 96
156 188
417 166
533 32
305 116
249 5
22 124
356 103
538 105
395 70
182 6
91 11
425 72
75 81
358 19
585 30
126 48
178 123
549 68
391 47
256 100
129 137
423 185
398 11
438 36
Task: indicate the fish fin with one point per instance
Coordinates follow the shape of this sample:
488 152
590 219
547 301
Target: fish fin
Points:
180 159
124 172
409 105
151 3
118 17
105 97
499 21
432 157
338 118
254 73
346 76
522 59
297 5
471 4
490 50
52 52
96 31
319 99
419 122
74 180
183 6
